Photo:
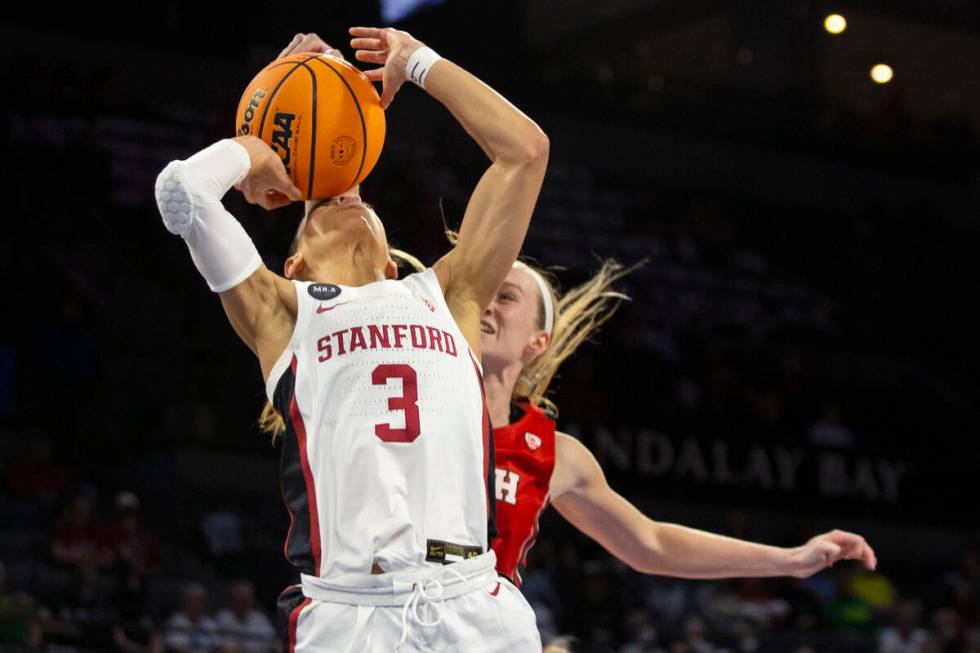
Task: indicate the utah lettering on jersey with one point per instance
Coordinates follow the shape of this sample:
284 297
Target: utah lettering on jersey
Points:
385 336
506 485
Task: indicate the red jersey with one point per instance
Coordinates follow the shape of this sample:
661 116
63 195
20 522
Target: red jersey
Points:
525 459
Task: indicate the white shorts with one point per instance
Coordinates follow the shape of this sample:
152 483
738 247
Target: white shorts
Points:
464 606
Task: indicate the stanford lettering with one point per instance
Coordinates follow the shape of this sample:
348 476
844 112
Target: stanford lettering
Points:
385 336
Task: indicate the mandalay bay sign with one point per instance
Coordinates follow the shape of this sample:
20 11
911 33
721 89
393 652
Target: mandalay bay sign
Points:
754 466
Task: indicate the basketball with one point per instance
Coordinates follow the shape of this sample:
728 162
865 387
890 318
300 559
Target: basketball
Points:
322 117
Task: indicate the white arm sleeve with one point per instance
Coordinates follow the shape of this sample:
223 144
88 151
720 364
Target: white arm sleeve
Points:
189 197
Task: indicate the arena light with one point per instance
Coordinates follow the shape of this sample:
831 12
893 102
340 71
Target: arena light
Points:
395 10
882 73
835 23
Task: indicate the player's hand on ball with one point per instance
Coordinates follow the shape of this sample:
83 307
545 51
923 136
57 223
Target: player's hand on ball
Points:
267 183
824 550
310 43
390 49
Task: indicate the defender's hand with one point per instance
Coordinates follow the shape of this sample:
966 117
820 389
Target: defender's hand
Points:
266 183
390 49
824 550
310 43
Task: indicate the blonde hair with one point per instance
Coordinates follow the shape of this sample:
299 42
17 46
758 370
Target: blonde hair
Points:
579 313
270 420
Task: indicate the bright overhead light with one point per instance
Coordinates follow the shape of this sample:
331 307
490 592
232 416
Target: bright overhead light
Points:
835 23
882 73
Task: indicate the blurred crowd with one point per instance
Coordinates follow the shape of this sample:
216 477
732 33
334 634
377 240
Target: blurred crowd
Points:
79 573
590 602
745 329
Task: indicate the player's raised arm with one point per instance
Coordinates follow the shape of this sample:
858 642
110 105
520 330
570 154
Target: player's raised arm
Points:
500 207
579 491
189 193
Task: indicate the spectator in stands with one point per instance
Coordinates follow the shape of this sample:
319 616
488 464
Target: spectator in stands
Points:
87 607
191 630
805 608
849 612
134 631
222 531
830 430
79 539
244 629
905 636
539 583
948 629
135 548
696 639
569 583
875 588
34 477
932 645
17 622
545 621
641 634
602 605
970 568
747 637
559 645
754 602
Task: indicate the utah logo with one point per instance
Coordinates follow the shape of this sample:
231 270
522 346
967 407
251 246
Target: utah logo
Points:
533 441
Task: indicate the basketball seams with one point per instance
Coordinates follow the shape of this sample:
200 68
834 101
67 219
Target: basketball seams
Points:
242 102
282 81
265 111
268 103
311 176
360 114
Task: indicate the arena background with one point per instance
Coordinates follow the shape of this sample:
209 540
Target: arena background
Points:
800 352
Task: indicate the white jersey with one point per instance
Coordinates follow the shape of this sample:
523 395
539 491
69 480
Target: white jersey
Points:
387 448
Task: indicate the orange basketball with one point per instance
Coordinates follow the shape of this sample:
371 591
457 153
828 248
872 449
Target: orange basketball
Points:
321 115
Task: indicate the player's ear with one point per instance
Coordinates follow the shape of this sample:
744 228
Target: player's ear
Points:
294 266
538 345
391 269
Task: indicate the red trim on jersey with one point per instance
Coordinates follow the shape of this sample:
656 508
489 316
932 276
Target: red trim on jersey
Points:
296 418
293 620
486 433
525 460
289 533
531 540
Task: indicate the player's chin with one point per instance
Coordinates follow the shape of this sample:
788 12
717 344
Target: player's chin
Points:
486 343
493 352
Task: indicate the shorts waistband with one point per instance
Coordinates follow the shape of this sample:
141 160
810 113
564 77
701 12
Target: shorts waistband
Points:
395 588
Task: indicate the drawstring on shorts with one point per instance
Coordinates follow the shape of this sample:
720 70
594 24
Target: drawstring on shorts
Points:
426 597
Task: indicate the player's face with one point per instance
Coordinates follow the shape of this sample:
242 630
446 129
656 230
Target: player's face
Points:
509 327
341 223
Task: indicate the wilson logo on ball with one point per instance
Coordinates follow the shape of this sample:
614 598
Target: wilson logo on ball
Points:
253 104
282 136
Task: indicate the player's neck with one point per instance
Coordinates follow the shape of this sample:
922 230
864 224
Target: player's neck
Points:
351 268
499 386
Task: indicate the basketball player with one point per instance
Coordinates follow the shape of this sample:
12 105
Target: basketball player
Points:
526 333
387 460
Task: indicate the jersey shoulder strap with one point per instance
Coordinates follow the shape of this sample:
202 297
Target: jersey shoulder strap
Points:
305 304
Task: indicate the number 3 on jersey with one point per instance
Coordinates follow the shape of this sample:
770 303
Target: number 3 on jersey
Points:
408 402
